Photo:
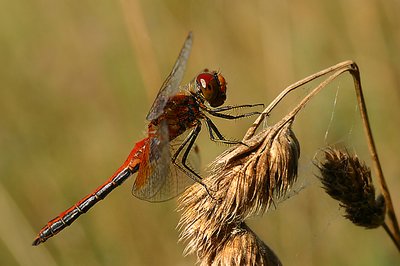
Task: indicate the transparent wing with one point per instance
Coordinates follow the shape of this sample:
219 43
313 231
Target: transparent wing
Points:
158 179
154 166
171 84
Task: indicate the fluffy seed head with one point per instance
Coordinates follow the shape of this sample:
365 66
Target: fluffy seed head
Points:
243 181
242 247
349 181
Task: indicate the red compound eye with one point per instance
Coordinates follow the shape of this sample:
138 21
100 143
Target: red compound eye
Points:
213 87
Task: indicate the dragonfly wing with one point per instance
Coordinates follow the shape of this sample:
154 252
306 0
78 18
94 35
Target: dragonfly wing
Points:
177 180
159 179
154 167
171 84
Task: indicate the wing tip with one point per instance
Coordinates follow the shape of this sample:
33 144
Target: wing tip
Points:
189 38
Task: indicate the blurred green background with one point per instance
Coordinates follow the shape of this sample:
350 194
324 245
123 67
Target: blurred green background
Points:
77 80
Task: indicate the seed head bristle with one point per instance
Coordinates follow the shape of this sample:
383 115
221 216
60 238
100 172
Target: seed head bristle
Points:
349 181
282 161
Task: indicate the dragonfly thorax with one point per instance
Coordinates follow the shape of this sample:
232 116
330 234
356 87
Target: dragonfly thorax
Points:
211 87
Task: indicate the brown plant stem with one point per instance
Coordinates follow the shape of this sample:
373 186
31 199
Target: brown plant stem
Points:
389 232
393 228
394 225
250 132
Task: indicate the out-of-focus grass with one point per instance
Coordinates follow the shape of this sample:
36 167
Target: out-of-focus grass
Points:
77 80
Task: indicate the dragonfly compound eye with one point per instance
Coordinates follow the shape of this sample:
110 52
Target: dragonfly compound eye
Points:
213 87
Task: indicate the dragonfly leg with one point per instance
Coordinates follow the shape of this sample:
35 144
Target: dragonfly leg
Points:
232 117
212 128
233 107
188 142
217 111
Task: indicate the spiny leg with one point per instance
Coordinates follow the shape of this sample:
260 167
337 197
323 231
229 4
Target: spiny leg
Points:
217 113
212 128
233 107
232 117
189 141
220 138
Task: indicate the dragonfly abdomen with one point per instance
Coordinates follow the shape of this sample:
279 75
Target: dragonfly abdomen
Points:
66 218
70 215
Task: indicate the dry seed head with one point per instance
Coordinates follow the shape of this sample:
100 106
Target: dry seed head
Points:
256 173
242 247
282 159
349 181
243 181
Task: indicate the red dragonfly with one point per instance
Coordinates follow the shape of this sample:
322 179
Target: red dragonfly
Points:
166 157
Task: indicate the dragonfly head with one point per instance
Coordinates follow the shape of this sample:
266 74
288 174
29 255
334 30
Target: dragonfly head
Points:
211 86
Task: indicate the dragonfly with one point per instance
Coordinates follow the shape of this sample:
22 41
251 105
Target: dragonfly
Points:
167 159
